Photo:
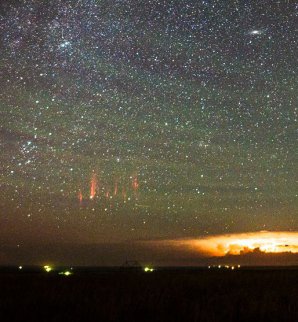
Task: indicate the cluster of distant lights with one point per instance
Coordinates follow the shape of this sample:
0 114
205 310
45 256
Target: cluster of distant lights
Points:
146 269
232 267
48 269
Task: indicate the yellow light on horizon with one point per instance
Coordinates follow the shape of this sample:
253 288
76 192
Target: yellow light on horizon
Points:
66 273
148 269
48 268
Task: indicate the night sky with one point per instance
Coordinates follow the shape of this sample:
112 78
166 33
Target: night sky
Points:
129 121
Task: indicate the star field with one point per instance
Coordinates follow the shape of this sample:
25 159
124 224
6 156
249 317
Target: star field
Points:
125 120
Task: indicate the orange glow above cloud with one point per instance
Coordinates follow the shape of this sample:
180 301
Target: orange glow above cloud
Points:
241 243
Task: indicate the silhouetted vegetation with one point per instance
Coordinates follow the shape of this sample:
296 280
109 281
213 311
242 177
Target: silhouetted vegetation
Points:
166 295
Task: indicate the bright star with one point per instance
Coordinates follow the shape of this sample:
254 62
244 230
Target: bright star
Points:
256 32
65 44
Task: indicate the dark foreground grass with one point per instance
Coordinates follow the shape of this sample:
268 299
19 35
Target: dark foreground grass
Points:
167 295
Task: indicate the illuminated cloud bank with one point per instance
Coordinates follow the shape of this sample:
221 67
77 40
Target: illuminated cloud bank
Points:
239 244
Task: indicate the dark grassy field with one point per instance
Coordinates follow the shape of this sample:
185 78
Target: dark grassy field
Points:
164 295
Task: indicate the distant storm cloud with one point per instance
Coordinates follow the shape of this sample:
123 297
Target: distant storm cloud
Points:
239 243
